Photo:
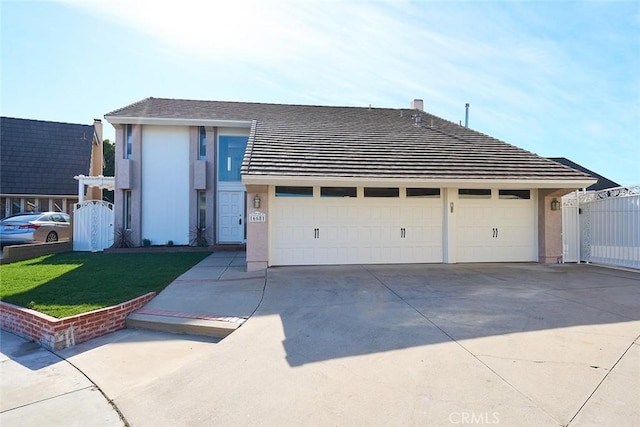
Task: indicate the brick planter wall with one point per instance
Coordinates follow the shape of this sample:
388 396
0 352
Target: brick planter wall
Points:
56 334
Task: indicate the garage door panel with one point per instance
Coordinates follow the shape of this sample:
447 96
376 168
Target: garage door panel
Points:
495 230
356 230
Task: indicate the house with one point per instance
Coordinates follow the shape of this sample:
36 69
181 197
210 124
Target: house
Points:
39 160
304 184
602 183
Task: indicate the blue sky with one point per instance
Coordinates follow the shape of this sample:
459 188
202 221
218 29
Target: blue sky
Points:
561 79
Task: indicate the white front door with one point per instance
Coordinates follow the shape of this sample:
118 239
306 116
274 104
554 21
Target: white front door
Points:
231 216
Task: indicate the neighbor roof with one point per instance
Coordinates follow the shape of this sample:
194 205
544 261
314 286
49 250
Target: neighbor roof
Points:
41 158
602 184
354 142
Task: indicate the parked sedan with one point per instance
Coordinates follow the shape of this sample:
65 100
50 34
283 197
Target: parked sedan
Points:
35 227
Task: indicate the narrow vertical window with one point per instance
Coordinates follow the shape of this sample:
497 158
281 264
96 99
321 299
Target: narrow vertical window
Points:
128 152
202 144
127 210
202 209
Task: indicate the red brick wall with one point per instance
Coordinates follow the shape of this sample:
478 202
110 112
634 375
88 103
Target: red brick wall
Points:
56 334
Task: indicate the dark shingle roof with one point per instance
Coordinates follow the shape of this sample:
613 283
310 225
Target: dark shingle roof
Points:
602 184
354 142
41 158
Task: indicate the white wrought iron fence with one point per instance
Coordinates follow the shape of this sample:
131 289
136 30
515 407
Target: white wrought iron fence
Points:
602 227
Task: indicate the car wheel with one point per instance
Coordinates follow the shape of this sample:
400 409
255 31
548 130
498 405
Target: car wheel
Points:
52 237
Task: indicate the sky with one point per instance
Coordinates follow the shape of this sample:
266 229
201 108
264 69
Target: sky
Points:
558 78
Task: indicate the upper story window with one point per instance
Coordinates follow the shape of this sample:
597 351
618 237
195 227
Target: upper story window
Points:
128 143
230 154
202 144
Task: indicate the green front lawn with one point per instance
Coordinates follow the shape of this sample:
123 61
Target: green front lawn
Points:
66 284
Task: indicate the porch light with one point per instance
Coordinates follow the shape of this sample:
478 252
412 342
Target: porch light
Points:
256 201
555 205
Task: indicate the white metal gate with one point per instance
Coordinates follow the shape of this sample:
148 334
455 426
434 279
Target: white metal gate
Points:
602 227
92 225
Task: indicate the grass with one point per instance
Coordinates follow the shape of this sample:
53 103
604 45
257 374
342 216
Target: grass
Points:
71 283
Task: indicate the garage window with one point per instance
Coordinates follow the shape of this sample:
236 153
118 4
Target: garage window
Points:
338 192
473 193
515 194
423 192
381 192
287 191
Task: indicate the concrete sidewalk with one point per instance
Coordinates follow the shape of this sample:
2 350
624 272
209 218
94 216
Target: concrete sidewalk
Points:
39 388
213 298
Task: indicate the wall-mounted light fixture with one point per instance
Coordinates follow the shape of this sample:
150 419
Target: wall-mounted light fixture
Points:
451 207
256 201
555 205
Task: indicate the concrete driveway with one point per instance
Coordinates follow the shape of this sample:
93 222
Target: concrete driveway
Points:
501 344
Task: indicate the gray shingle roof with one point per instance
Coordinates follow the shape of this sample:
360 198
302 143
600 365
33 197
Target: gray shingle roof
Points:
602 184
41 158
354 142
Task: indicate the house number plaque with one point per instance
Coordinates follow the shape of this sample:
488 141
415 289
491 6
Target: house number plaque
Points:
257 217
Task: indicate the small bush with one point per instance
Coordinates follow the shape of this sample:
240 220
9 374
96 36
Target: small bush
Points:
146 243
170 243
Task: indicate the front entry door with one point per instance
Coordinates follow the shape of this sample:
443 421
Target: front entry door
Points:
231 217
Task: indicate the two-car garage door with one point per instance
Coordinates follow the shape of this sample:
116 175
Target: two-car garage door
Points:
314 230
355 230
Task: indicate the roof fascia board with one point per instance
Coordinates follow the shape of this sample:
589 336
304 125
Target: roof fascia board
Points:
119 120
406 182
38 196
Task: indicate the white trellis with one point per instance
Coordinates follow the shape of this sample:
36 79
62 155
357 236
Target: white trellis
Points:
602 226
93 219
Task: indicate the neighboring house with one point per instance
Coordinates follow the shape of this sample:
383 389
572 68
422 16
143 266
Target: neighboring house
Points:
602 184
38 160
333 185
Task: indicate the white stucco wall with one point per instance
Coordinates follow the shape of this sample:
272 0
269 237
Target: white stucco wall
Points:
165 184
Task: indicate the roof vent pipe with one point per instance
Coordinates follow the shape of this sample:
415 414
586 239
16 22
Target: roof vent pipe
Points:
466 115
417 104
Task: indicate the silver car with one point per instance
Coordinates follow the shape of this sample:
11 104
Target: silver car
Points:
35 227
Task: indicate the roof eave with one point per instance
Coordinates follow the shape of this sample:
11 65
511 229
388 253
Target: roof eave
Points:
170 121
409 182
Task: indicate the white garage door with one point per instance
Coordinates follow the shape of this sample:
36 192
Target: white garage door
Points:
496 226
355 230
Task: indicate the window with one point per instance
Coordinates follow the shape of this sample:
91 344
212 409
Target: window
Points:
514 194
127 210
286 191
230 154
423 192
474 193
381 192
202 144
16 206
31 205
202 209
44 204
58 205
128 148
338 192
